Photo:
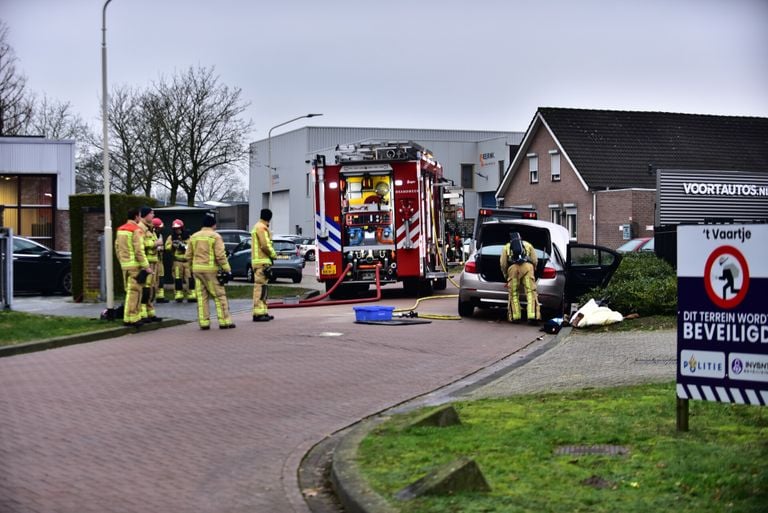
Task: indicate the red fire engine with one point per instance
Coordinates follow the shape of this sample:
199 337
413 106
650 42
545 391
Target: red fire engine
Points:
379 204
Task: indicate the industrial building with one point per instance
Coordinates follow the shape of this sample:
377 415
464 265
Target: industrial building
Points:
475 160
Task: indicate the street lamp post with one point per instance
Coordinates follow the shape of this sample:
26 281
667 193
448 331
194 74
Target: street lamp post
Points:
269 150
105 138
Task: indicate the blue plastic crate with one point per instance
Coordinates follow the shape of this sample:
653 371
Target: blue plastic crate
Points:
373 313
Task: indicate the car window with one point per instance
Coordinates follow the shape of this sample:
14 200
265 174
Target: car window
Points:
284 246
649 246
586 257
631 245
26 247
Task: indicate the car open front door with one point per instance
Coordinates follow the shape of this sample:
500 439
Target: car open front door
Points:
588 267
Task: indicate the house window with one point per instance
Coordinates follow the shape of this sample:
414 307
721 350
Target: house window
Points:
533 167
501 171
571 222
556 214
554 157
467 176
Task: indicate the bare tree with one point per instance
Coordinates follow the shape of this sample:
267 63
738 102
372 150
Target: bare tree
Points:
15 105
223 184
125 127
89 175
212 132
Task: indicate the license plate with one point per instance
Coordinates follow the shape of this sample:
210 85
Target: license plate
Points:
328 269
369 276
282 257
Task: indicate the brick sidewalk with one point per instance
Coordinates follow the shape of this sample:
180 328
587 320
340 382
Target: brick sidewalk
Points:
181 420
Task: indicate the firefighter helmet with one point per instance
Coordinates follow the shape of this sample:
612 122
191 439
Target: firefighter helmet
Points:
177 223
157 223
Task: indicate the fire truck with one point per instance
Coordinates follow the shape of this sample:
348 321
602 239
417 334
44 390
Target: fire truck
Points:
380 204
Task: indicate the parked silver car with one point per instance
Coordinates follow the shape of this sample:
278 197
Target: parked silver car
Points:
288 264
565 270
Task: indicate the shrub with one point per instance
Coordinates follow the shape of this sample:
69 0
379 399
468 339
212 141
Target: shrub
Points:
643 284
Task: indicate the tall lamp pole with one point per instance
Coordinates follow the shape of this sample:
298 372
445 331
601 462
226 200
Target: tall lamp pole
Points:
110 286
269 149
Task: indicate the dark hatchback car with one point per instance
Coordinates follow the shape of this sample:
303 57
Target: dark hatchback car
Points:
288 264
37 268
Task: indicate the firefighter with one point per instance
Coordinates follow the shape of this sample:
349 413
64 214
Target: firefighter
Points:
158 225
262 255
183 281
518 263
129 249
205 251
147 216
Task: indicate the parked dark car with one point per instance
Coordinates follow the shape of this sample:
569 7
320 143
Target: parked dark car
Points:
635 245
232 238
288 264
565 269
37 268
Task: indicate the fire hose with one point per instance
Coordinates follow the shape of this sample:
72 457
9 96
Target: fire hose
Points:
318 300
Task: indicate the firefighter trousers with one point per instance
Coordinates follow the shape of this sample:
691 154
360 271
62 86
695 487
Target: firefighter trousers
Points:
160 282
208 287
522 274
149 293
260 290
132 304
183 281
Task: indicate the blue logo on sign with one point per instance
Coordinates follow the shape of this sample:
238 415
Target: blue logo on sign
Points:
737 366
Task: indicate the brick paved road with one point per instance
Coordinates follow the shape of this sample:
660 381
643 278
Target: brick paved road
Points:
170 421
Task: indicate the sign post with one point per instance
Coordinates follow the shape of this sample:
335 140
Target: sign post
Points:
722 323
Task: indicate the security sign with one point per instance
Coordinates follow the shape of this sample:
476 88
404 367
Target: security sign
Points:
722 336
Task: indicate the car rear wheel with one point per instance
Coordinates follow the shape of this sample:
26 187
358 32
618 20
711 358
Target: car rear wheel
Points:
297 278
466 308
65 282
310 255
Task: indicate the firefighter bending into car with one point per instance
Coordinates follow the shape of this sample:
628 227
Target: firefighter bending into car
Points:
129 249
183 281
147 216
205 251
158 225
262 255
518 263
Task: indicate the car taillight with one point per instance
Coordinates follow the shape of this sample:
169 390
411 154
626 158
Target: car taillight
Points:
470 267
548 273
530 215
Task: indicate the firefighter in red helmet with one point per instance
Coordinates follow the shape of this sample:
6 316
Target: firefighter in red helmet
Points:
183 281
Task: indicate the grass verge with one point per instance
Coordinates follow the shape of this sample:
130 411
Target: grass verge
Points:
720 465
19 327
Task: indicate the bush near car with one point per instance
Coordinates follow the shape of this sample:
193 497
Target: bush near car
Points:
643 284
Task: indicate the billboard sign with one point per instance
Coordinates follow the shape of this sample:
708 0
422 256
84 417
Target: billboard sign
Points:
722 324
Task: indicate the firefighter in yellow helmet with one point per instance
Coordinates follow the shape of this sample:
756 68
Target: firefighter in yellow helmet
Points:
129 249
262 255
205 251
183 281
147 215
518 263
158 225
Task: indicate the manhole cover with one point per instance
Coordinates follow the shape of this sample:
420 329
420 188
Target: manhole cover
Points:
600 450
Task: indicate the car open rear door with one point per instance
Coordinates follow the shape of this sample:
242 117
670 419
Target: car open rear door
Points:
587 267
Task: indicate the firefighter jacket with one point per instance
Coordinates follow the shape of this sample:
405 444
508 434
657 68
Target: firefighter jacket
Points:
205 250
262 251
506 257
150 243
129 246
176 244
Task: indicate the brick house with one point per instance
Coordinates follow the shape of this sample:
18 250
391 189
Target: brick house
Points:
593 170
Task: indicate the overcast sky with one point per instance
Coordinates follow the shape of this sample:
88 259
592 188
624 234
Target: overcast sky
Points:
469 64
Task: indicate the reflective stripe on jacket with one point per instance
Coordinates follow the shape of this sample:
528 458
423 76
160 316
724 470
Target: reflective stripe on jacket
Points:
262 251
175 250
206 251
129 246
150 244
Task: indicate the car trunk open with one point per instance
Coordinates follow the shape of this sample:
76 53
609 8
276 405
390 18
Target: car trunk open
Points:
492 238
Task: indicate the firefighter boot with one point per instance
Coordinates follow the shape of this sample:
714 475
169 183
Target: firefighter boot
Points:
161 294
178 296
191 295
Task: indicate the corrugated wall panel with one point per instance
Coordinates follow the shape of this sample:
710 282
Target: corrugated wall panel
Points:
744 197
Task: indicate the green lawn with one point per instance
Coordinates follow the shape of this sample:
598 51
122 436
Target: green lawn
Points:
721 464
275 291
18 327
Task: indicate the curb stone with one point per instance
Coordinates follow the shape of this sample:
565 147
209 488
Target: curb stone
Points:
80 338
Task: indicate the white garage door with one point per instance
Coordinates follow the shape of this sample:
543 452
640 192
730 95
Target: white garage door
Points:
281 212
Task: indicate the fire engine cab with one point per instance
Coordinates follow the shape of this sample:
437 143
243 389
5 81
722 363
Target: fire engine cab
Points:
380 204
